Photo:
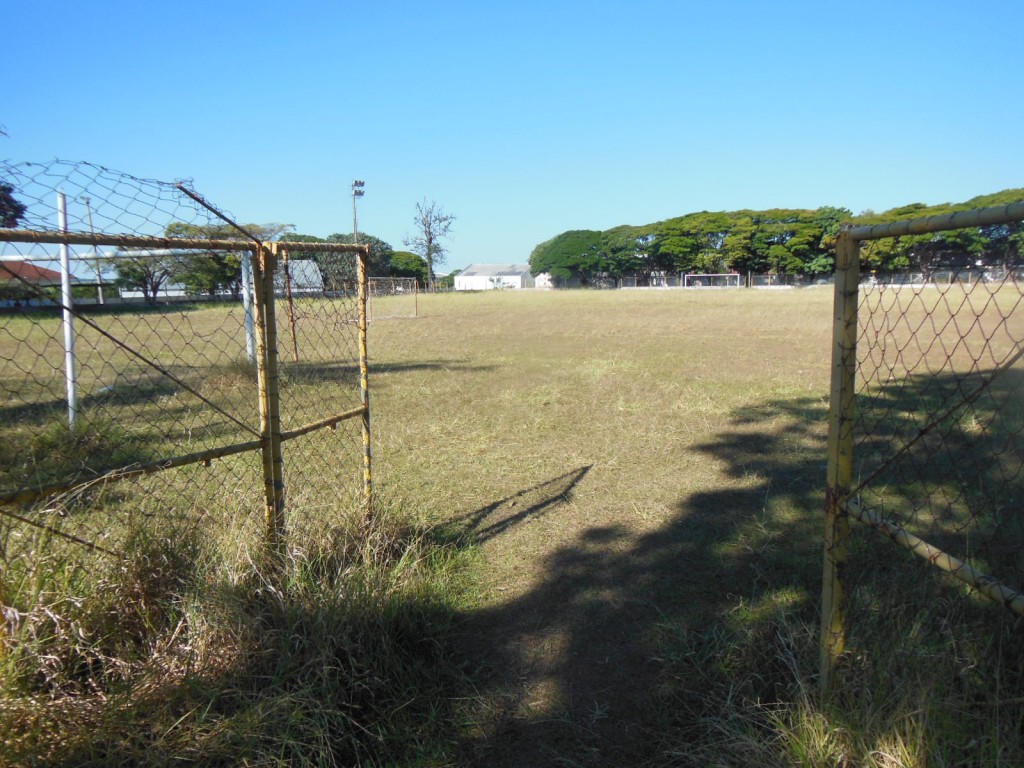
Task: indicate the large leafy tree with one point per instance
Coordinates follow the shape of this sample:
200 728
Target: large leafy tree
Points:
578 253
959 249
380 251
11 210
211 272
631 251
339 269
146 273
408 264
433 226
784 241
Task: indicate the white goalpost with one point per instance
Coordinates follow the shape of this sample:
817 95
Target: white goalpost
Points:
392 297
725 280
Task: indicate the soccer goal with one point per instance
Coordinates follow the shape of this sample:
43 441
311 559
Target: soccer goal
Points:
392 297
730 280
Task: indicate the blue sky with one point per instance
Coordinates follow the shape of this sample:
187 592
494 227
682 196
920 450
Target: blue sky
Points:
524 119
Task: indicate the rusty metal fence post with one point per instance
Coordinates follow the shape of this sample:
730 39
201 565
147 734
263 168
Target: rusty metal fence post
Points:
270 398
844 499
840 456
164 387
364 379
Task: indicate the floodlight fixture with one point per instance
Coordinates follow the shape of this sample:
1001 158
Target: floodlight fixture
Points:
357 191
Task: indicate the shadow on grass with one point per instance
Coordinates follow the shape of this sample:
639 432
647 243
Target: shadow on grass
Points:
570 672
142 392
625 633
944 455
314 372
494 519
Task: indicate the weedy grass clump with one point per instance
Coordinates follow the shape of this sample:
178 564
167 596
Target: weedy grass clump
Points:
931 677
53 453
168 654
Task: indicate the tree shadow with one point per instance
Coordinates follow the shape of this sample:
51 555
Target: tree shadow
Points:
574 671
122 394
315 372
570 671
944 456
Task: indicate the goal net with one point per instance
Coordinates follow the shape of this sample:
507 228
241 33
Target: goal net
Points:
731 280
392 297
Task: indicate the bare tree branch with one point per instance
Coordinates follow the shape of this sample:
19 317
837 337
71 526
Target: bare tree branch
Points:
432 224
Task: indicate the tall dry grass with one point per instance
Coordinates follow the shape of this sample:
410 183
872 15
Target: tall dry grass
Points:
651 454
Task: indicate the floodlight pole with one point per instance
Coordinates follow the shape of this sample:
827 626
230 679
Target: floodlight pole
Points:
357 191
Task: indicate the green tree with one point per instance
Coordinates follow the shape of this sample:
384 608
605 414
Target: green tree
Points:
339 269
210 272
790 241
578 253
633 251
408 264
432 226
11 210
447 282
144 272
380 251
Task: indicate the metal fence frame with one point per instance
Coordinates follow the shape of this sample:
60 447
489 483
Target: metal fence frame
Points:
267 257
839 505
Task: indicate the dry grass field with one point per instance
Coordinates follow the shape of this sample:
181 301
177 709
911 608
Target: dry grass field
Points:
640 475
628 463
598 543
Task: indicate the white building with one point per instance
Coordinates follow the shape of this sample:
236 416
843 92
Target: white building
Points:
304 275
484 277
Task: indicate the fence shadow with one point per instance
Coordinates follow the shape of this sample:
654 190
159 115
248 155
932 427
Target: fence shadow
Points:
494 519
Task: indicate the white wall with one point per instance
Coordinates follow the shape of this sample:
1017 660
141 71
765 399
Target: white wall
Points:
472 283
481 283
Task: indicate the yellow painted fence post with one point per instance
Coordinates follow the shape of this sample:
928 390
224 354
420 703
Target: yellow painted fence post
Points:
270 398
840 457
363 258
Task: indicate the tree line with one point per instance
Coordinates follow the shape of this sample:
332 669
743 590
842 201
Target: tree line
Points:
218 273
211 273
777 241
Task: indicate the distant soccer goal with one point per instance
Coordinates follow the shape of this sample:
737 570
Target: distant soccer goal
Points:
393 297
731 280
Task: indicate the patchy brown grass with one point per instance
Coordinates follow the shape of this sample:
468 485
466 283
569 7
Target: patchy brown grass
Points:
617 458
637 476
641 475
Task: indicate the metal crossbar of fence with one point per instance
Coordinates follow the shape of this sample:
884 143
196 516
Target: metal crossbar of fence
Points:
176 407
926 424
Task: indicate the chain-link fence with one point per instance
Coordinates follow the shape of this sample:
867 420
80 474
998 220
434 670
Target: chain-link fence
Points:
148 374
393 297
731 280
926 434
